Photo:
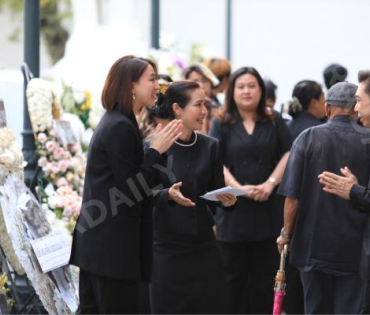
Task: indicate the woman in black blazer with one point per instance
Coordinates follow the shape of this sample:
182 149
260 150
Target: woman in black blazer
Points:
112 239
187 270
255 144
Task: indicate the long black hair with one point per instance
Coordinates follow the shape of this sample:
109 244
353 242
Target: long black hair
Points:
231 112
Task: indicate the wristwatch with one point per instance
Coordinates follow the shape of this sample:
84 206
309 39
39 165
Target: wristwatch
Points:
285 235
272 180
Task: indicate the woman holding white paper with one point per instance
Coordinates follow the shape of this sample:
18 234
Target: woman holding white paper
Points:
187 269
255 144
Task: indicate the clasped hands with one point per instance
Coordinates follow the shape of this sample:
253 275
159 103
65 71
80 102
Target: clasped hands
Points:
259 192
176 195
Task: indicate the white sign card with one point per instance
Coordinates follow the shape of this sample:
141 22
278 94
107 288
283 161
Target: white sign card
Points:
52 251
64 132
211 195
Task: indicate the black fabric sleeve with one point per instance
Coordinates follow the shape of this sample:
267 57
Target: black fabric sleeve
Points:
360 198
291 183
122 148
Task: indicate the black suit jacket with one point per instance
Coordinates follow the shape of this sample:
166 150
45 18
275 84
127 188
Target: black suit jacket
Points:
360 199
113 235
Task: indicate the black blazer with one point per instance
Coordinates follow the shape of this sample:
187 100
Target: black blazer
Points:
360 199
113 235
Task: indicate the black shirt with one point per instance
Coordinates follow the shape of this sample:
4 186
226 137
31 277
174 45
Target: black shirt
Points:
302 122
251 159
328 231
198 165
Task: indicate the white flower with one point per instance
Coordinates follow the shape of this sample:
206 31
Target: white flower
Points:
42 161
56 169
79 97
41 137
54 201
40 99
63 166
7 138
7 159
49 190
50 146
62 182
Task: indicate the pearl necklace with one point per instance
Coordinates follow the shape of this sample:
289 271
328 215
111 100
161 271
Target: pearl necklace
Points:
190 144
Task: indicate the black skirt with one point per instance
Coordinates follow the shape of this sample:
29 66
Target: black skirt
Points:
187 278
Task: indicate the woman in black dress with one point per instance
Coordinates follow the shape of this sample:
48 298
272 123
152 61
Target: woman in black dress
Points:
307 107
187 270
112 242
255 144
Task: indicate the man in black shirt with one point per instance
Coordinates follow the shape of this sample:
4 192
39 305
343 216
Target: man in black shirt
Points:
327 236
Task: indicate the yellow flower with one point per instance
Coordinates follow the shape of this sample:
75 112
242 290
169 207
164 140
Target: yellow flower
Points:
44 3
87 104
3 281
163 88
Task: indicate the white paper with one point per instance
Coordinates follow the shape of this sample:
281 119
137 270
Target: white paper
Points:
52 251
211 195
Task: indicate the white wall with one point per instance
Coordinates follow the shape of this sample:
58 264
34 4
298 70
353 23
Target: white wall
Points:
286 40
201 21
293 40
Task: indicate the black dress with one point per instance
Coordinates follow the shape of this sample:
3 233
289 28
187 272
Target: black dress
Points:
247 235
187 269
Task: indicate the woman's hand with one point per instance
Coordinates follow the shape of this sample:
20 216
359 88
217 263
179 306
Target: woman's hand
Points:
262 192
227 200
164 137
249 191
175 194
338 185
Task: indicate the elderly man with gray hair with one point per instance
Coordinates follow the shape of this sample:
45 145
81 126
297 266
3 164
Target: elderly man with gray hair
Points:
325 232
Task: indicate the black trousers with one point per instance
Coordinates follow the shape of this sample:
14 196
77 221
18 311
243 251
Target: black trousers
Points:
104 295
329 294
250 269
366 301
293 301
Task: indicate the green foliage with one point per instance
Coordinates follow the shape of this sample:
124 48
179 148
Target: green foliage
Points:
14 5
51 20
195 53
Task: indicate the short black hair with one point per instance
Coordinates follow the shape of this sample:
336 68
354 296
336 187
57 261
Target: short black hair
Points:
333 74
165 77
364 77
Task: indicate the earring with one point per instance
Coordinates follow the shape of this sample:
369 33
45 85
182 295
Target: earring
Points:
133 96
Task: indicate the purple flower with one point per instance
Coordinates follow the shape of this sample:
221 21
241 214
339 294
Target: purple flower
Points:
179 62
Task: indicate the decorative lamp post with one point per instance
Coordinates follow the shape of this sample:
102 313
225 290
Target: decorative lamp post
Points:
32 64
